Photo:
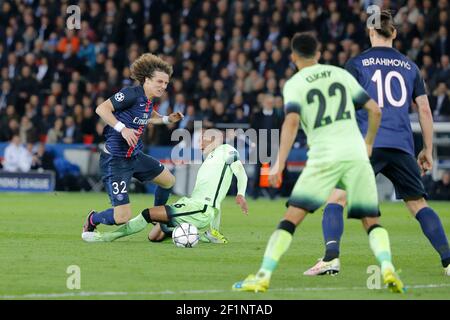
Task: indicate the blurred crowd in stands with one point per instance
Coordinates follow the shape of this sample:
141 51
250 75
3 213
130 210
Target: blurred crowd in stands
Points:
230 58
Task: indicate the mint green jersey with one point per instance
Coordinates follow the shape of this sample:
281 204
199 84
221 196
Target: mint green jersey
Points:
214 176
326 97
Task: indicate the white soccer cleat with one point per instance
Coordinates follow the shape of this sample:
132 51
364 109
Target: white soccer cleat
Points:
324 267
91 237
447 271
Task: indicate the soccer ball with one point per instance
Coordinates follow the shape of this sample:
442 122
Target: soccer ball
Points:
185 235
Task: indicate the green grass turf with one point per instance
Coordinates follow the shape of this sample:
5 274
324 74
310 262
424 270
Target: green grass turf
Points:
40 238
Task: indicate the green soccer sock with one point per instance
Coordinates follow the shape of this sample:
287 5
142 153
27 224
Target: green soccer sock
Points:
215 222
133 226
278 244
379 243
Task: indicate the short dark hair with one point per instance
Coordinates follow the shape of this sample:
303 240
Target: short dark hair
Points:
304 44
145 66
387 26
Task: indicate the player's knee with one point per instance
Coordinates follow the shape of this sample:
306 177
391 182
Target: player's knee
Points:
339 201
369 226
338 197
288 226
170 182
415 205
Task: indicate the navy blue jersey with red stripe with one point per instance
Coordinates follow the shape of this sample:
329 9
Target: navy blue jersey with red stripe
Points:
133 109
393 81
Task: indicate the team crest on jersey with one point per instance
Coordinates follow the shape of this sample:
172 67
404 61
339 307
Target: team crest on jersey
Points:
119 96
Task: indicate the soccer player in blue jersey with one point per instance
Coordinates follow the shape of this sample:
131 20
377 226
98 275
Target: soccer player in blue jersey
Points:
394 81
127 114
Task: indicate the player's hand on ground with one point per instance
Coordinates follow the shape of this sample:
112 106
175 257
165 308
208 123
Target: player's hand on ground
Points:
131 136
240 200
175 117
425 161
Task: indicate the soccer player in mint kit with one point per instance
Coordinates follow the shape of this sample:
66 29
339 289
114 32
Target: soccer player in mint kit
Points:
127 114
203 206
394 81
324 98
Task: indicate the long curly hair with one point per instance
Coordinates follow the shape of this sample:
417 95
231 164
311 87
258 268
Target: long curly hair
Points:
145 66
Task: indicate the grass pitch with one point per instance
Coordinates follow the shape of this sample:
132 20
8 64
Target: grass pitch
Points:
40 239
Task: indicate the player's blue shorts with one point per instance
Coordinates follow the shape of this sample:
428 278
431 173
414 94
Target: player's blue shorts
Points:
117 173
401 169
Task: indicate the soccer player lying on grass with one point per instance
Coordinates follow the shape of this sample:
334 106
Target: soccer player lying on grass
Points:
211 187
324 99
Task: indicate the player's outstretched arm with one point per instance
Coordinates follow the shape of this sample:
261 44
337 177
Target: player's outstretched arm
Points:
171 118
288 134
374 119
425 157
241 176
105 111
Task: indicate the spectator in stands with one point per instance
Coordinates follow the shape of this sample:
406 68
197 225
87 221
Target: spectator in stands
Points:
180 103
188 121
88 122
440 102
42 159
56 134
98 134
443 73
266 119
218 114
242 47
7 96
71 134
238 103
442 42
441 189
17 157
240 117
27 131
11 129
204 113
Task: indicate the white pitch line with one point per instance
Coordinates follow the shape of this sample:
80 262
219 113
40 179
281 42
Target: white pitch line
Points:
169 292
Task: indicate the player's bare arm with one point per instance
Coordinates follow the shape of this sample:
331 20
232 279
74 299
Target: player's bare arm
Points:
241 176
288 134
374 120
105 111
171 118
425 157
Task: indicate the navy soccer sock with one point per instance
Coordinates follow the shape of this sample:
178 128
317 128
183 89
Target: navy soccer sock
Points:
104 217
161 196
332 227
432 228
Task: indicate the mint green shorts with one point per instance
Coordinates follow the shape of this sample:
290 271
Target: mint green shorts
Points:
357 178
190 211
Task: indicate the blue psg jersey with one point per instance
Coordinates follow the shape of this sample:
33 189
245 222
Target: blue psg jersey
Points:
133 109
393 81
